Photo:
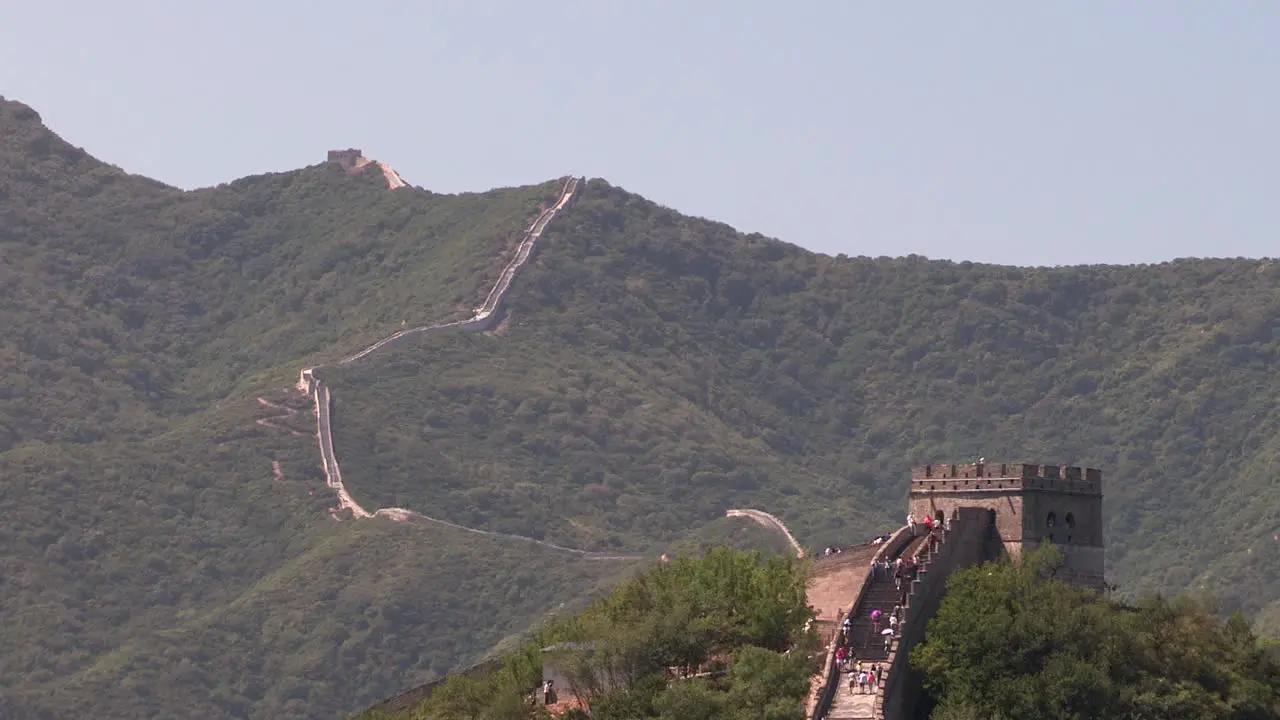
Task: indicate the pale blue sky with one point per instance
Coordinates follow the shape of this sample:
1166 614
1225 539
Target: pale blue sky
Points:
1011 132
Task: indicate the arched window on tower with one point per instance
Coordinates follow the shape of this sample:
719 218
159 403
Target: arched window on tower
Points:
1051 520
1071 525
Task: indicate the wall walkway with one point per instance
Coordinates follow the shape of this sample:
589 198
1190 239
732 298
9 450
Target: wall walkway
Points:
826 694
964 546
899 686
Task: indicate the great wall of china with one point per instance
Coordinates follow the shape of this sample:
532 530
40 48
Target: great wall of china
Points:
977 511
967 503
485 318
354 161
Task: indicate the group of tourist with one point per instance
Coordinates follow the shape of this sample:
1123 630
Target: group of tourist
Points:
899 569
893 623
929 524
903 570
862 678
877 540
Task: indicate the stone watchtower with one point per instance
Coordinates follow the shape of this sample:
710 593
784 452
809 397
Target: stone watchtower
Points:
349 159
1029 505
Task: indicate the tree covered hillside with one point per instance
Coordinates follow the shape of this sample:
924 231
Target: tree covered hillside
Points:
736 628
1012 642
163 554
655 369
151 562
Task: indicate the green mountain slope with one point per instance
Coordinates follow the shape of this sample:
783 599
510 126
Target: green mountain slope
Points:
652 372
297 644
656 368
140 508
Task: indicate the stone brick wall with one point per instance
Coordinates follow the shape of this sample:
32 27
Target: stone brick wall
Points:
1006 504
1076 530
1023 499
963 547
835 579
1082 511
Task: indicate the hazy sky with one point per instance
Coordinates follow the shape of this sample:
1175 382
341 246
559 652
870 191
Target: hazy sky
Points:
1012 132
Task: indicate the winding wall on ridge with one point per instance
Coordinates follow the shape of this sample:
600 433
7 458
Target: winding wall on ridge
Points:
485 317
834 578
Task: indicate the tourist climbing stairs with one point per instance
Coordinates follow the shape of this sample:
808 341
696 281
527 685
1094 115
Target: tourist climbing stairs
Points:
865 640
867 644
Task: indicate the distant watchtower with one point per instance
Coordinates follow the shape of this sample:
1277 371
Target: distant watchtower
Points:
348 159
1030 505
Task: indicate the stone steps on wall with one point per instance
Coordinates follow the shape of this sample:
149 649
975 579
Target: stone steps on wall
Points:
867 644
855 706
878 593
881 594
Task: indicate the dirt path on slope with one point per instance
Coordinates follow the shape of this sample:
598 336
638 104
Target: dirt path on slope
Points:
285 413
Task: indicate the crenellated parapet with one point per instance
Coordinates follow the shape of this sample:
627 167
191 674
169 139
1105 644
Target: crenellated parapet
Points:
1006 477
1030 505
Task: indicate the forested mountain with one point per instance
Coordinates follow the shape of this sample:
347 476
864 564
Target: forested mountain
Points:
151 562
1008 641
652 371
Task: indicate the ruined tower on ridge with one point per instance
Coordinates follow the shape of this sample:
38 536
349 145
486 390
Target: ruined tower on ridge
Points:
349 159
1029 505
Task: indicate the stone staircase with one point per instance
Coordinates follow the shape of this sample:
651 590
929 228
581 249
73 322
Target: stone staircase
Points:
937 555
865 641
854 706
867 645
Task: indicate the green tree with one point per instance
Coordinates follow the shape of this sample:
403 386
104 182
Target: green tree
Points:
1005 641
763 685
735 614
691 699
502 694
1008 641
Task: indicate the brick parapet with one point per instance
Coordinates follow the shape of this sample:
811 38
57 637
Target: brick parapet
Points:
1008 477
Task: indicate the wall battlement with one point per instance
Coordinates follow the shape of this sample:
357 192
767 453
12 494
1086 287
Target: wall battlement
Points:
980 511
1031 504
1008 477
